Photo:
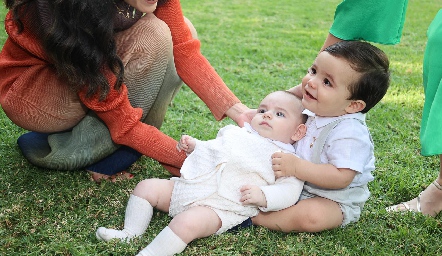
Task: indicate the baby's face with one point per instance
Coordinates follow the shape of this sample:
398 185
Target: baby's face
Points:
278 117
325 87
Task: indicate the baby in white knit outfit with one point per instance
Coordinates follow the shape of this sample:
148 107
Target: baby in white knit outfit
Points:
223 181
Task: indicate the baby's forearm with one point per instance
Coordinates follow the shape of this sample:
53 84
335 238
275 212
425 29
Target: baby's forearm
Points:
324 175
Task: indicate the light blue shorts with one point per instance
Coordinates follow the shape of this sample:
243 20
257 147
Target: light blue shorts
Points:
350 199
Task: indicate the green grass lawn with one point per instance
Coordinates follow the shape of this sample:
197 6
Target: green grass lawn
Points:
257 47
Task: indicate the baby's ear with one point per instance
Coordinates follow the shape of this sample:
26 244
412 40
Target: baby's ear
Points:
355 106
299 133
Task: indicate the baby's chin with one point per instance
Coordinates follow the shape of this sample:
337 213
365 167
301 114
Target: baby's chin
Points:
288 141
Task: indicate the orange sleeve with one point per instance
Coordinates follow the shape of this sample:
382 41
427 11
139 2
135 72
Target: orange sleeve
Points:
22 52
123 122
192 67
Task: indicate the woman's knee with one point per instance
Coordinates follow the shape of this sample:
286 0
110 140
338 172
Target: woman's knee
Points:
191 28
149 35
47 109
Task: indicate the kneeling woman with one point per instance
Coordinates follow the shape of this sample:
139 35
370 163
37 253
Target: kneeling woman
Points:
87 76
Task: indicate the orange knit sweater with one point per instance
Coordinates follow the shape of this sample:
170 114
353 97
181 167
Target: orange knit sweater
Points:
22 54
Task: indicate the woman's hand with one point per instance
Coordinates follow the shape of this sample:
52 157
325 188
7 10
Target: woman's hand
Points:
241 114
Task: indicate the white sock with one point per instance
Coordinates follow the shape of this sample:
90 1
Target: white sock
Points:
165 243
137 218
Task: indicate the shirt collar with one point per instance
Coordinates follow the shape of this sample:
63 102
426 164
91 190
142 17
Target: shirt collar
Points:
323 121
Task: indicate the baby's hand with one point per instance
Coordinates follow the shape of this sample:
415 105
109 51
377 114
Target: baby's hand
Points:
186 144
284 164
252 195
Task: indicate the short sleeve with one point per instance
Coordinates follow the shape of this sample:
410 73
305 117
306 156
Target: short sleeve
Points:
377 21
349 146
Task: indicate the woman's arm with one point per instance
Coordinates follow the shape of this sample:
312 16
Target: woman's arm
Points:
195 70
125 127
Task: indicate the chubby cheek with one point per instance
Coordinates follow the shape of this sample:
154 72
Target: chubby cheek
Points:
255 121
304 81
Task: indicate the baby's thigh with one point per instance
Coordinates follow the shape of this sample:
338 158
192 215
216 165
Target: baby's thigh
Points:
196 222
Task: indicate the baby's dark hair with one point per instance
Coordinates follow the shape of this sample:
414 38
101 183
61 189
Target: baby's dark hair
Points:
372 63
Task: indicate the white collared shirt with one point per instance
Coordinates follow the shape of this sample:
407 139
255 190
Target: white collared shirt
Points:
348 145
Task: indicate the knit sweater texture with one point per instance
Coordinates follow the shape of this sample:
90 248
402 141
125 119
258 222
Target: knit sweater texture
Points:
23 61
214 172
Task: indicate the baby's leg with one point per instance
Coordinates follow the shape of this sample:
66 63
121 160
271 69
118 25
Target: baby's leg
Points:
309 215
147 194
197 222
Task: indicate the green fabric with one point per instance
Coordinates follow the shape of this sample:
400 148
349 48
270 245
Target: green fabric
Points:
431 127
377 21
88 141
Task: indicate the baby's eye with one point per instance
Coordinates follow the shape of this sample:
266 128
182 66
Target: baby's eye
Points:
327 82
261 111
311 71
280 114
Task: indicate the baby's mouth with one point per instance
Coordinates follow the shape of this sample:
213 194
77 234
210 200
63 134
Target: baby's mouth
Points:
309 95
264 123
